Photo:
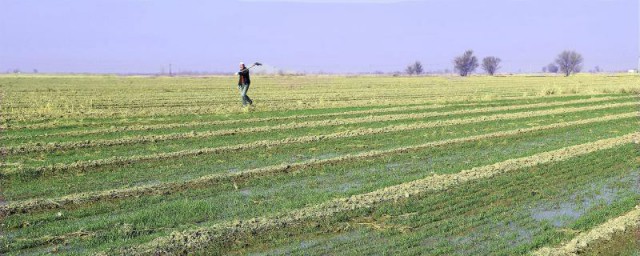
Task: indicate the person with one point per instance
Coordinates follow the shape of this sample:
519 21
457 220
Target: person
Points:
243 84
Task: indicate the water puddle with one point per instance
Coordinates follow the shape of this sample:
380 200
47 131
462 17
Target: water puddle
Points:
605 193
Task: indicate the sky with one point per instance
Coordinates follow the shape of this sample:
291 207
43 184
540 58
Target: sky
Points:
331 36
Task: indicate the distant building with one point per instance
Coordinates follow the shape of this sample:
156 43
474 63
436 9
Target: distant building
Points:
632 71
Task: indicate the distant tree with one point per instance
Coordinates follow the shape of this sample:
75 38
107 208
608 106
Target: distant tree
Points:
491 64
544 69
552 68
466 63
16 71
410 70
414 69
35 71
417 67
569 62
597 69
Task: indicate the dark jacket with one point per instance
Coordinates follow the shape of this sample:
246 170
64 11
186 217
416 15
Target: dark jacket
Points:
244 77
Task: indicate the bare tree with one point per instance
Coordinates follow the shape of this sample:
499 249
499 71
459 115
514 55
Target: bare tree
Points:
569 62
544 69
491 65
552 68
597 69
418 68
466 63
410 70
415 68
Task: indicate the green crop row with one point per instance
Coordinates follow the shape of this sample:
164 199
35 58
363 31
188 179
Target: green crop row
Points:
166 188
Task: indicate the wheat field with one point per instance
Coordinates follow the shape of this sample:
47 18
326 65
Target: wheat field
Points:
356 165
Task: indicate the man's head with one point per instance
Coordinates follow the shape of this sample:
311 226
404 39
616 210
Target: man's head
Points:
242 66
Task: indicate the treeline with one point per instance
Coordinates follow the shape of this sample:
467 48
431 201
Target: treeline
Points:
567 62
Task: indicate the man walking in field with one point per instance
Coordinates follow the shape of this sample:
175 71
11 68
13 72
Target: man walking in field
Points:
243 84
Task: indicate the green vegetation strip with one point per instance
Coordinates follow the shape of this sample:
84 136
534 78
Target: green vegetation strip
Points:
462 220
52 98
172 187
124 127
267 119
190 240
603 232
48 147
81 166
466 219
157 215
149 127
91 123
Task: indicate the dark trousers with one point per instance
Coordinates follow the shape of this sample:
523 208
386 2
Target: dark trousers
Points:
243 93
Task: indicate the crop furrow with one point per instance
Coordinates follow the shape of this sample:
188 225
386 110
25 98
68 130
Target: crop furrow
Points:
84 165
268 119
192 240
600 233
208 180
276 105
36 147
222 122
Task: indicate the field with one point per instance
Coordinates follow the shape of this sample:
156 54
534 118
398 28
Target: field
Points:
321 165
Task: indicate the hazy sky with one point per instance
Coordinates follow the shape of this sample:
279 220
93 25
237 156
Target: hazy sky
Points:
310 35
